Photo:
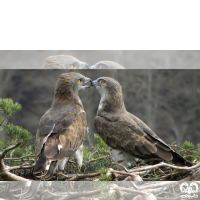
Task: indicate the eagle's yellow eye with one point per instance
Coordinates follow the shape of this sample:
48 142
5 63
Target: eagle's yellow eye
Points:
79 81
103 82
71 67
103 68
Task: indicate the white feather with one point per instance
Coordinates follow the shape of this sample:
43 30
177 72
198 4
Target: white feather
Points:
61 164
78 155
100 106
45 139
59 147
121 157
82 111
48 165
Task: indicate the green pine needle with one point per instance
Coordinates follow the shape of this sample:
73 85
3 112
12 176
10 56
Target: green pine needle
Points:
8 108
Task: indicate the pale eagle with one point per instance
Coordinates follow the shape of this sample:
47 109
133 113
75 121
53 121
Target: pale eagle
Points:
62 128
126 136
63 62
106 65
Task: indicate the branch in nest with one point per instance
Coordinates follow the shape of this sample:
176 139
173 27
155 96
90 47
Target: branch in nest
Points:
164 177
3 153
21 158
81 194
145 195
195 176
156 185
133 176
8 176
162 164
4 170
20 167
93 160
78 177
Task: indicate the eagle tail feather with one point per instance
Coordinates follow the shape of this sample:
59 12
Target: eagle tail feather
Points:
39 166
179 160
165 155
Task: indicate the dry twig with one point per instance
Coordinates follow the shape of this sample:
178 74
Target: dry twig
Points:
81 194
134 177
5 173
162 164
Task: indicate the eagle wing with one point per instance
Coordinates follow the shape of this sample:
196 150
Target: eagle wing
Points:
130 134
59 135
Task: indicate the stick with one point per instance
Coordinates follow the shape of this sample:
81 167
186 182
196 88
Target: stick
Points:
21 158
3 153
80 176
81 194
4 170
133 176
162 164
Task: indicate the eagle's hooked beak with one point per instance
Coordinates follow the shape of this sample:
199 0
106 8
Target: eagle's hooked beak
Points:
94 83
91 67
88 82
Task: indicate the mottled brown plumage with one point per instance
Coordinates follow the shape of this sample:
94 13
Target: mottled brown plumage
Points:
63 62
124 132
62 128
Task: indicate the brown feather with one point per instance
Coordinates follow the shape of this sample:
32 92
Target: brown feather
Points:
165 155
121 130
62 128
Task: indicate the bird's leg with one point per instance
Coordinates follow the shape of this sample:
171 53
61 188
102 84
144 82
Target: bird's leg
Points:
78 155
78 167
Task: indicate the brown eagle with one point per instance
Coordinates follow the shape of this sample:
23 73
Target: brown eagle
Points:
126 136
63 62
106 65
62 128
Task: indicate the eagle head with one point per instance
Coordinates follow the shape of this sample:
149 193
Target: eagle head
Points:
64 62
106 65
111 94
69 84
107 86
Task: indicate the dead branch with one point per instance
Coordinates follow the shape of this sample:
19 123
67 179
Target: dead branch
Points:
145 195
133 185
156 185
123 167
81 194
164 177
162 164
133 176
21 158
195 176
11 177
168 172
153 188
93 160
20 167
4 170
3 153
78 177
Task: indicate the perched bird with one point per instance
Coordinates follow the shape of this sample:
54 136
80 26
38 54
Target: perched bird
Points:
126 136
63 62
62 128
106 65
